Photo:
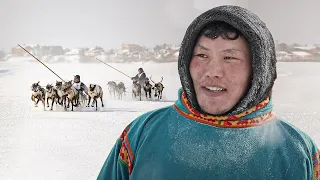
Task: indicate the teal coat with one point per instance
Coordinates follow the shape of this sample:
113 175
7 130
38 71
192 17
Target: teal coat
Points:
176 143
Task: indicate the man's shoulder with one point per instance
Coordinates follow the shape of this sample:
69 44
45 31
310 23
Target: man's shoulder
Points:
152 115
146 121
296 133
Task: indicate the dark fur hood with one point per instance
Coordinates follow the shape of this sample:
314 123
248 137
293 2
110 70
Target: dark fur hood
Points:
260 42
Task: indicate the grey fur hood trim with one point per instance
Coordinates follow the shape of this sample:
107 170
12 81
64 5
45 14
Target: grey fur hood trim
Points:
260 42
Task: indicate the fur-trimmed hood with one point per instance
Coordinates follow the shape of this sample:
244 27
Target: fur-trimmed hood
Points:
261 44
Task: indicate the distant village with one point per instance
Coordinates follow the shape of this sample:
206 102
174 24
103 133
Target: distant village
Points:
297 52
127 53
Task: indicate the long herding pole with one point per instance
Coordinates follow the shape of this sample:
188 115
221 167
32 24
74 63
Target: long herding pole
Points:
113 68
41 62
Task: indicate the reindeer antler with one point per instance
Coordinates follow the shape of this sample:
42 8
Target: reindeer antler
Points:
151 80
161 79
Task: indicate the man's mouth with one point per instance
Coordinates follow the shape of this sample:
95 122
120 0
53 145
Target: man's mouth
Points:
214 89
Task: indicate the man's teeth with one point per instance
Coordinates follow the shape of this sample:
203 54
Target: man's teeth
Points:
214 88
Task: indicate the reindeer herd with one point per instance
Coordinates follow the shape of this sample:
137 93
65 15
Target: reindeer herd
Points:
137 89
115 88
63 93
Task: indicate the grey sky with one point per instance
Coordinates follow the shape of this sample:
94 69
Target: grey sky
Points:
79 23
290 20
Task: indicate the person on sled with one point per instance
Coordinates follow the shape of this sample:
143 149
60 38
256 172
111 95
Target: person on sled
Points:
80 86
222 125
140 77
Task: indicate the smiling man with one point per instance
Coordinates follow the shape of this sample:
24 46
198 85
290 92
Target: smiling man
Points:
222 125
220 68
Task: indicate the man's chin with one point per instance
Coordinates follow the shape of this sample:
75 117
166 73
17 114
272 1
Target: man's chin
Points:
214 110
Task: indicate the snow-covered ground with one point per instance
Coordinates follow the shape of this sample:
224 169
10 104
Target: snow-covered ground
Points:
37 144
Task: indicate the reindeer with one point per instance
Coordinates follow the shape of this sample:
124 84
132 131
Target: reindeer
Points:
136 89
83 98
95 91
61 95
51 94
121 89
112 86
147 88
83 94
72 95
38 93
158 88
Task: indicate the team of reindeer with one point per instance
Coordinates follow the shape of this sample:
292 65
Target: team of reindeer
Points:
137 88
63 93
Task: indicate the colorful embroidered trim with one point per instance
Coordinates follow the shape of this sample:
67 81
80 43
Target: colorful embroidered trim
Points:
124 133
187 104
226 121
124 156
126 153
230 123
316 166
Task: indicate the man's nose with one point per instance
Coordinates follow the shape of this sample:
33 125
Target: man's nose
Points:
215 68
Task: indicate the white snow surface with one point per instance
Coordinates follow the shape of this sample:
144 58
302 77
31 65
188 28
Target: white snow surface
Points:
38 144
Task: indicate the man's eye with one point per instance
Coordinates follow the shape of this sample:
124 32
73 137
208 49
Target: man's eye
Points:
202 55
228 57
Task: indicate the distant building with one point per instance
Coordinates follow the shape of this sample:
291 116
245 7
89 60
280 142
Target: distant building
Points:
77 51
308 49
94 51
301 55
56 50
283 56
38 50
18 51
132 48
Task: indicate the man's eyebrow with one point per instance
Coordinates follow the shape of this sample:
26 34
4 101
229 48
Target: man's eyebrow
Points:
231 50
202 47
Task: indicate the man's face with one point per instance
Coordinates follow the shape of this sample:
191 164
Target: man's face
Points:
140 71
76 80
221 73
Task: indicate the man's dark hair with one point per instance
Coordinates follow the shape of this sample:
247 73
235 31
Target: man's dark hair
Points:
222 29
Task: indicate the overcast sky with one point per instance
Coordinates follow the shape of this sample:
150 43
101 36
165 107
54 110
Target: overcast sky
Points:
83 23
